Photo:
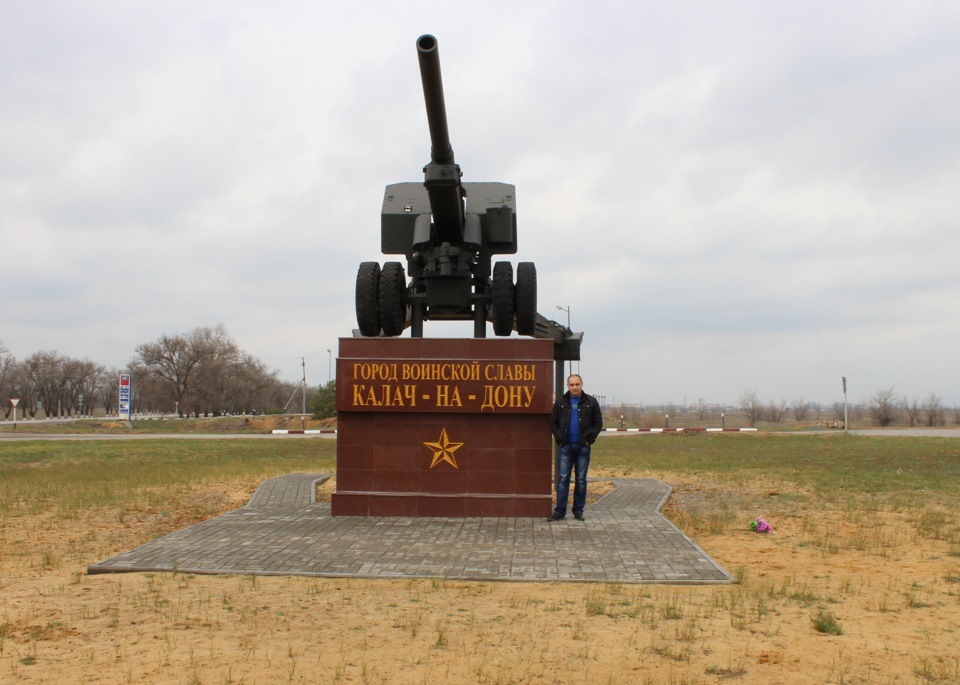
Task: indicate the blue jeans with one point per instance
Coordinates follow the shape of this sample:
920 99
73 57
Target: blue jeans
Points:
572 454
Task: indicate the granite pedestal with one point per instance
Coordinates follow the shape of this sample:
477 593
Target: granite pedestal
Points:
444 427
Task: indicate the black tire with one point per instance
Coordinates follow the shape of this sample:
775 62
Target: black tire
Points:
368 286
526 298
501 309
393 311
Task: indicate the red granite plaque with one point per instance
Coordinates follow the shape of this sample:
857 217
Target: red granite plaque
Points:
444 427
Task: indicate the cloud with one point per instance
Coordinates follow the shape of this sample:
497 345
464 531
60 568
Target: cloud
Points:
759 198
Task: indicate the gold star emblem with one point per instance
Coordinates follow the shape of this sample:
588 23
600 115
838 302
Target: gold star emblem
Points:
443 450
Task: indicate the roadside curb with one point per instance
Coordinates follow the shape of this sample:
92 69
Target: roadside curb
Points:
311 431
679 430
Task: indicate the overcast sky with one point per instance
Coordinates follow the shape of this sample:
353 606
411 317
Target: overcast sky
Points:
728 196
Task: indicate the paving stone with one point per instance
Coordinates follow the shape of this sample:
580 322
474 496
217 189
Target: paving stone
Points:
283 530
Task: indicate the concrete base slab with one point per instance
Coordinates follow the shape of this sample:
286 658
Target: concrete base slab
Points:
284 531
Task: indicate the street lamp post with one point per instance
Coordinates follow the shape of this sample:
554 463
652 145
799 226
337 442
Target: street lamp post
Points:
567 310
844 404
329 366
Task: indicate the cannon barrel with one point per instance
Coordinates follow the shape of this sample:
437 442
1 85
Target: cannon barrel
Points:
441 175
441 151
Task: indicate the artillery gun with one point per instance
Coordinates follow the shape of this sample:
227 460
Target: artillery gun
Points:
449 232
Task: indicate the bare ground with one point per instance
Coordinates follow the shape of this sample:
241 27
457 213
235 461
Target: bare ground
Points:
888 581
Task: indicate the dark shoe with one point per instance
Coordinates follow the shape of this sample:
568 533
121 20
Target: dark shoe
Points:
579 517
556 517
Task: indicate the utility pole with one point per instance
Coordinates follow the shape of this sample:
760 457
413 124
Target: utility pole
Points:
303 396
844 404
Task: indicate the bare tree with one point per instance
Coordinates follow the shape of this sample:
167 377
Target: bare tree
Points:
106 388
45 373
751 406
253 386
7 370
202 373
859 410
21 386
911 409
775 411
79 384
220 362
54 382
701 409
838 411
933 411
800 409
149 393
176 360
883 407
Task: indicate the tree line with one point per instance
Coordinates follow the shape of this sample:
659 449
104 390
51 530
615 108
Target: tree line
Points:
200 373
884 408
205 373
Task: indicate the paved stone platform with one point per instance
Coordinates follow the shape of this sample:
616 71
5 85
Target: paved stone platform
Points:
284 531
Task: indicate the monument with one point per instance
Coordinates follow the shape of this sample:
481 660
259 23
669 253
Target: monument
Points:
440 426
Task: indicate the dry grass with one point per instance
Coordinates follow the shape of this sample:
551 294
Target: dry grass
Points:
885 569
223 424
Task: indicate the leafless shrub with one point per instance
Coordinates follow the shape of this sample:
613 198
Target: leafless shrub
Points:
751 406
701 410
933 411
801 408
838 411
911 410
775 411
883 407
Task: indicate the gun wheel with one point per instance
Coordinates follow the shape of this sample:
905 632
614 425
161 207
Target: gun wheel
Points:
526 298
501 309
368 287
393 312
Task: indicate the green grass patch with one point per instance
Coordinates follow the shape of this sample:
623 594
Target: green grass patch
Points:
826 622
833 466
71 475
163 426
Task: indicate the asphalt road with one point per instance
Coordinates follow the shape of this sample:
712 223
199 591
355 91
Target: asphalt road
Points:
26 435
22 436
882 432
911 432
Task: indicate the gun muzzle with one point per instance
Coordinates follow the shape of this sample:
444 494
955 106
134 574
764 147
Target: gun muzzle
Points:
441 152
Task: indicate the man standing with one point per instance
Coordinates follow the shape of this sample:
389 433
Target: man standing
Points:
576 422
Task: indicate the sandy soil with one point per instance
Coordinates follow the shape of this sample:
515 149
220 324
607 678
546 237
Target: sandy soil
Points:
888 580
